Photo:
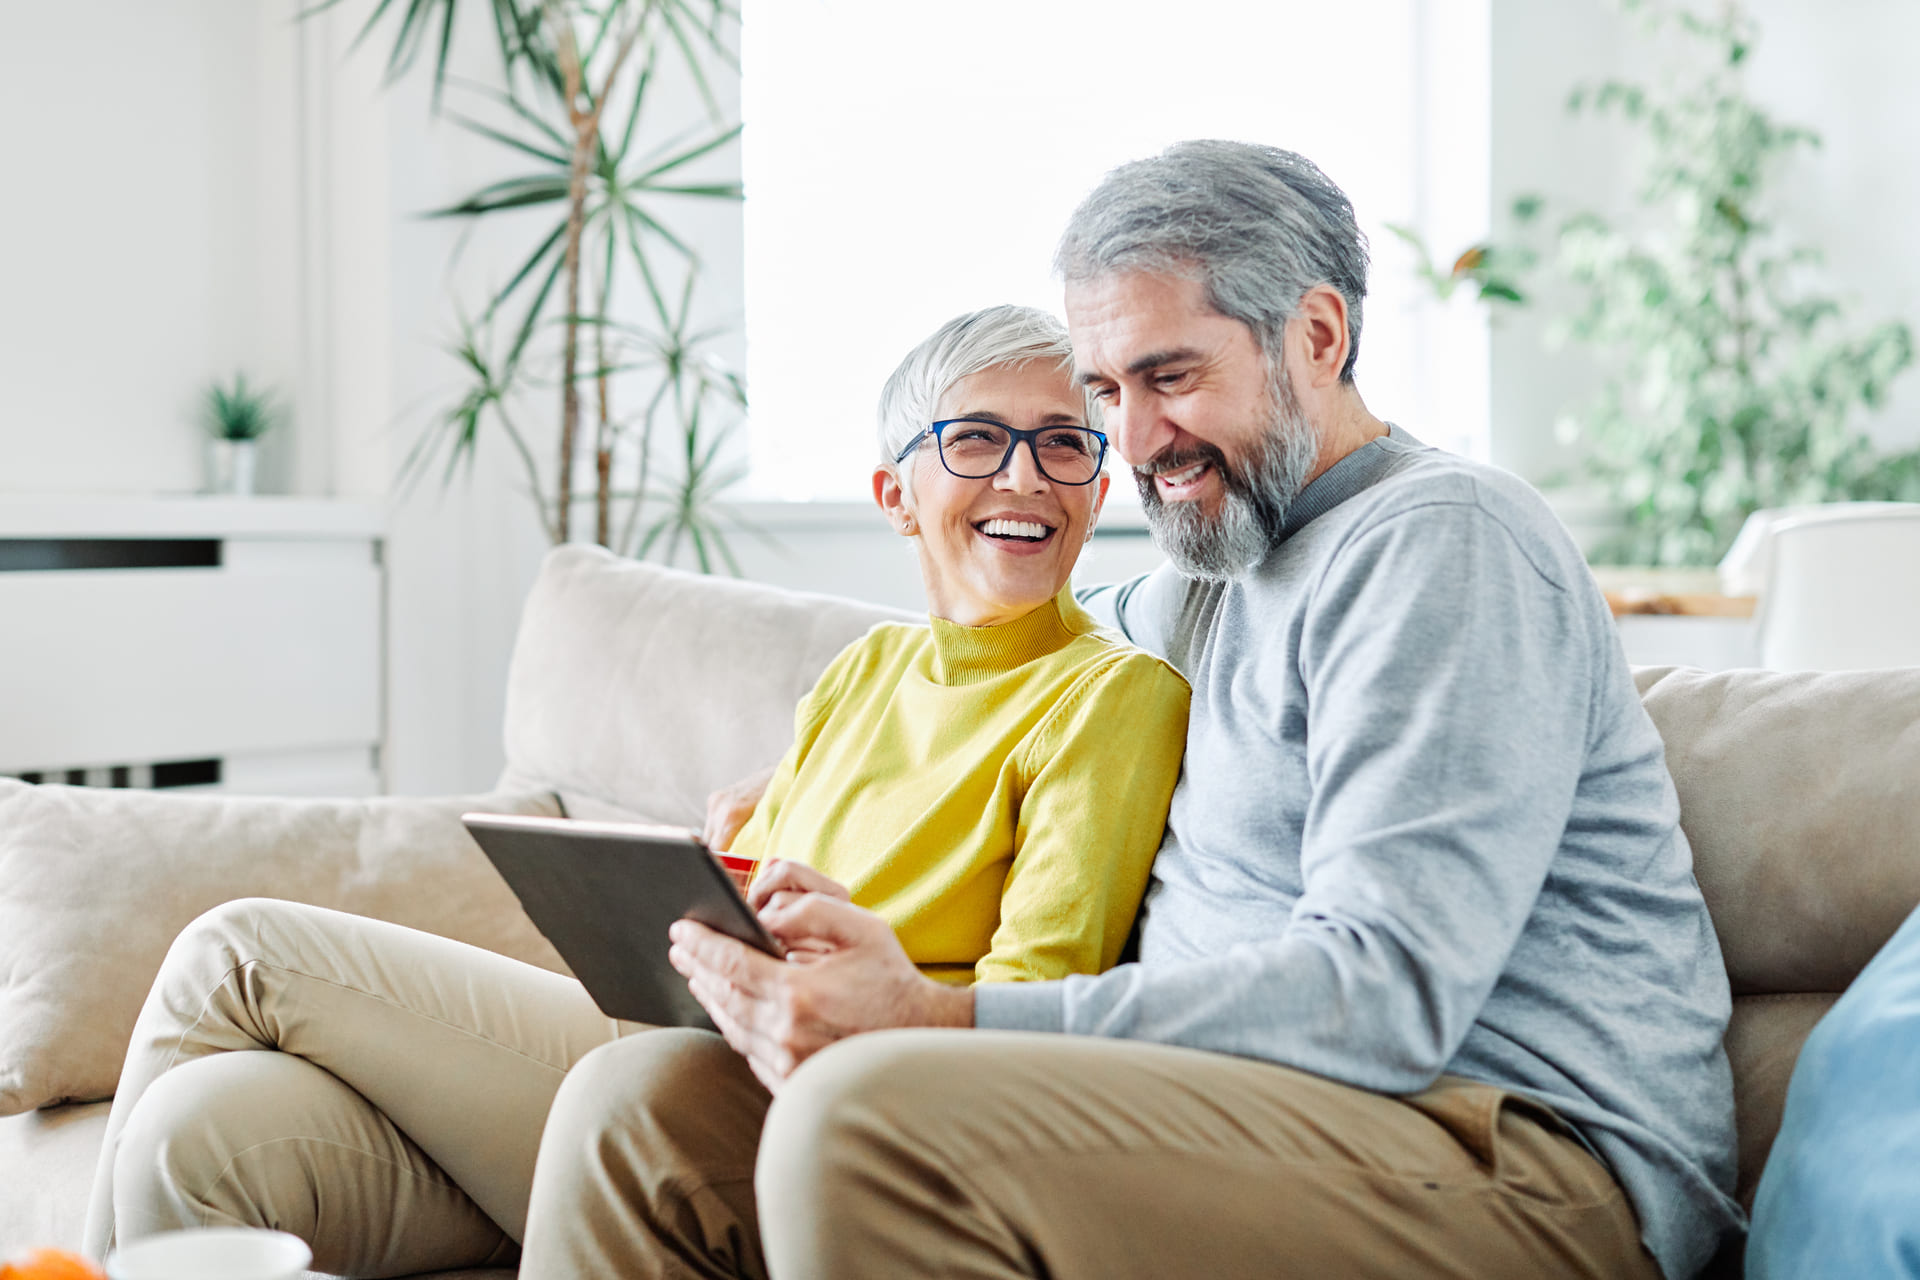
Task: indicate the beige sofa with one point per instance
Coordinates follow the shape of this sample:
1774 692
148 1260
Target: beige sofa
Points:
635 690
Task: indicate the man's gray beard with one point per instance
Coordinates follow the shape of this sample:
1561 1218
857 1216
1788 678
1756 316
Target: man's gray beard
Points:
1259 489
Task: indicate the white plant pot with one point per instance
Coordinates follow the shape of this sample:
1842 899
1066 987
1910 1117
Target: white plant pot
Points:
230 466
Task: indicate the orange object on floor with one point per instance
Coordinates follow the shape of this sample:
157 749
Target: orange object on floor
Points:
51 1264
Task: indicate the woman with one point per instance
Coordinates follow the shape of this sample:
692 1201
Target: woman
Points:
971 781
994 786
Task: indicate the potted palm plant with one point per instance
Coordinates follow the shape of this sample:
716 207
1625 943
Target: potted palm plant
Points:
599 307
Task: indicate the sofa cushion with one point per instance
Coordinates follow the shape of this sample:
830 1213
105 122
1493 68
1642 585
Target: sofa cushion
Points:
1763 1043
1800 793
95 884
46 1166
600 706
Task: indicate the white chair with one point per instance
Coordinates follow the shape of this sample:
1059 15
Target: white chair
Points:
1839 585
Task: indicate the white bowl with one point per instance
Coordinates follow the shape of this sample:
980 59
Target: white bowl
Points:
212 1253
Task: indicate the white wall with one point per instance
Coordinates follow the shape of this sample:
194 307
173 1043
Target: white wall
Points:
1848 71
148 230
1843 70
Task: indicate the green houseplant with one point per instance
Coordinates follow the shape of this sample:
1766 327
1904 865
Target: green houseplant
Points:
1731 382
234 419
599 305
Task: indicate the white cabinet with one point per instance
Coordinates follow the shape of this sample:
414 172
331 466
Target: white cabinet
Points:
223 644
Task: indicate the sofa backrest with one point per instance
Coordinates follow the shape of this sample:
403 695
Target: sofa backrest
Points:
1800 793
635 690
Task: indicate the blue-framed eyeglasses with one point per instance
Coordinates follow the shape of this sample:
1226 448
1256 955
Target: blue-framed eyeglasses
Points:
975 448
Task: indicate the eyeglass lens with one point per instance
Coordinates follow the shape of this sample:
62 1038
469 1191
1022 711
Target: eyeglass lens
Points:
975 450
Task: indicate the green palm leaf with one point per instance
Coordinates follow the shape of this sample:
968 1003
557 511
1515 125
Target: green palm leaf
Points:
509 193
533 149
712 144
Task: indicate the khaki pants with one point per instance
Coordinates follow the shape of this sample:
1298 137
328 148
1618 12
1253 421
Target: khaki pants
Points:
396 1123
984 1154
431 1105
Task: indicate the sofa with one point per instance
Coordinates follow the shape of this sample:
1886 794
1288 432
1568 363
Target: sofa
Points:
634 690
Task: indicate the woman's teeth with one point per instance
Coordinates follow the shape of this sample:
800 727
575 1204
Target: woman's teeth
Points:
1014 529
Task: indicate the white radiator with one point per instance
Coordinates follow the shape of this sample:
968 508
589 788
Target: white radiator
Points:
222 644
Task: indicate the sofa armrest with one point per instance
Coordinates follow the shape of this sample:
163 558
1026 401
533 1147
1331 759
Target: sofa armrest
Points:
95 884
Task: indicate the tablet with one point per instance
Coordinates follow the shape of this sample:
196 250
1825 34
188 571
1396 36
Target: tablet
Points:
604 893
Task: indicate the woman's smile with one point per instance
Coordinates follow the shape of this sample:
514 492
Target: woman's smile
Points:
1017 535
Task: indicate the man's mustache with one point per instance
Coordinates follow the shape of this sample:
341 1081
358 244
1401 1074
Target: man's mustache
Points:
1170 459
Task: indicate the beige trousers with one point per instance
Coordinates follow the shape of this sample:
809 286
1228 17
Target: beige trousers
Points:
972 1154
431 1105
977 1155
378 1091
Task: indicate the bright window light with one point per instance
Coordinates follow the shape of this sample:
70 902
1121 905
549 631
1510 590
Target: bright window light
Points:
906 162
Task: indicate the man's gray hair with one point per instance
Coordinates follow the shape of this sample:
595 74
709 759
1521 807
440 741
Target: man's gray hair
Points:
1257 226
963 346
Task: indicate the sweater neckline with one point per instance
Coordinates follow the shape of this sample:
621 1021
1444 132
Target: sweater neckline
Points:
969 655
1361 469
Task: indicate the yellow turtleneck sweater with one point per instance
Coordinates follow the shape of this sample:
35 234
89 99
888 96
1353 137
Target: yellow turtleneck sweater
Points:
996 794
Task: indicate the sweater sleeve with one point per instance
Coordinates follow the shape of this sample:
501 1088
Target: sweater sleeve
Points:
1102 768
1447 690
1140 608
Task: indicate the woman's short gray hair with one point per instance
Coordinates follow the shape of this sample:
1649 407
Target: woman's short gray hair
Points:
1256 225
964 345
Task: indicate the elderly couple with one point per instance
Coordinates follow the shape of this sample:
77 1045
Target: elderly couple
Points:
1421 985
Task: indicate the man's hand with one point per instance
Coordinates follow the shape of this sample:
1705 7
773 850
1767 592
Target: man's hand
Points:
781 882
729 808
779 1013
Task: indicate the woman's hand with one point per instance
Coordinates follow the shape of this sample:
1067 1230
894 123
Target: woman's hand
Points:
729 808
777 1014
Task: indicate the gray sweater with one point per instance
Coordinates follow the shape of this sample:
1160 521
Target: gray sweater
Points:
1425 826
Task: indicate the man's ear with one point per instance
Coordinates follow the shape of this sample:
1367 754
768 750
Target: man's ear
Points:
1318 332
892 500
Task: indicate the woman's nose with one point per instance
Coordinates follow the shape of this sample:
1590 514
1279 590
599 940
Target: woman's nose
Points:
1022 472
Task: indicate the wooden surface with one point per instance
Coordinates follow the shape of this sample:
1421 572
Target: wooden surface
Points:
1627 603
1678 593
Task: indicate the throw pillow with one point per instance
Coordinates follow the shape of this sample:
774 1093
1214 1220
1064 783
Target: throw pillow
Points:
95 884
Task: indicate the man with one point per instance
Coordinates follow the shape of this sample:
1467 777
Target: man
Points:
1425 985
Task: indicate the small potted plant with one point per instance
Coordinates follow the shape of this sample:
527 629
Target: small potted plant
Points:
235 418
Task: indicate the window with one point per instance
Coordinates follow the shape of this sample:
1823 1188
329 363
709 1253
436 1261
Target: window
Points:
907 162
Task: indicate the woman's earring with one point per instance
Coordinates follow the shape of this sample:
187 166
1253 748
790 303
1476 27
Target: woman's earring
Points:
906 525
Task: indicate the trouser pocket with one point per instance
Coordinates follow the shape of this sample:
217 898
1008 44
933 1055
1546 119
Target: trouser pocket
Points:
1525 1147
